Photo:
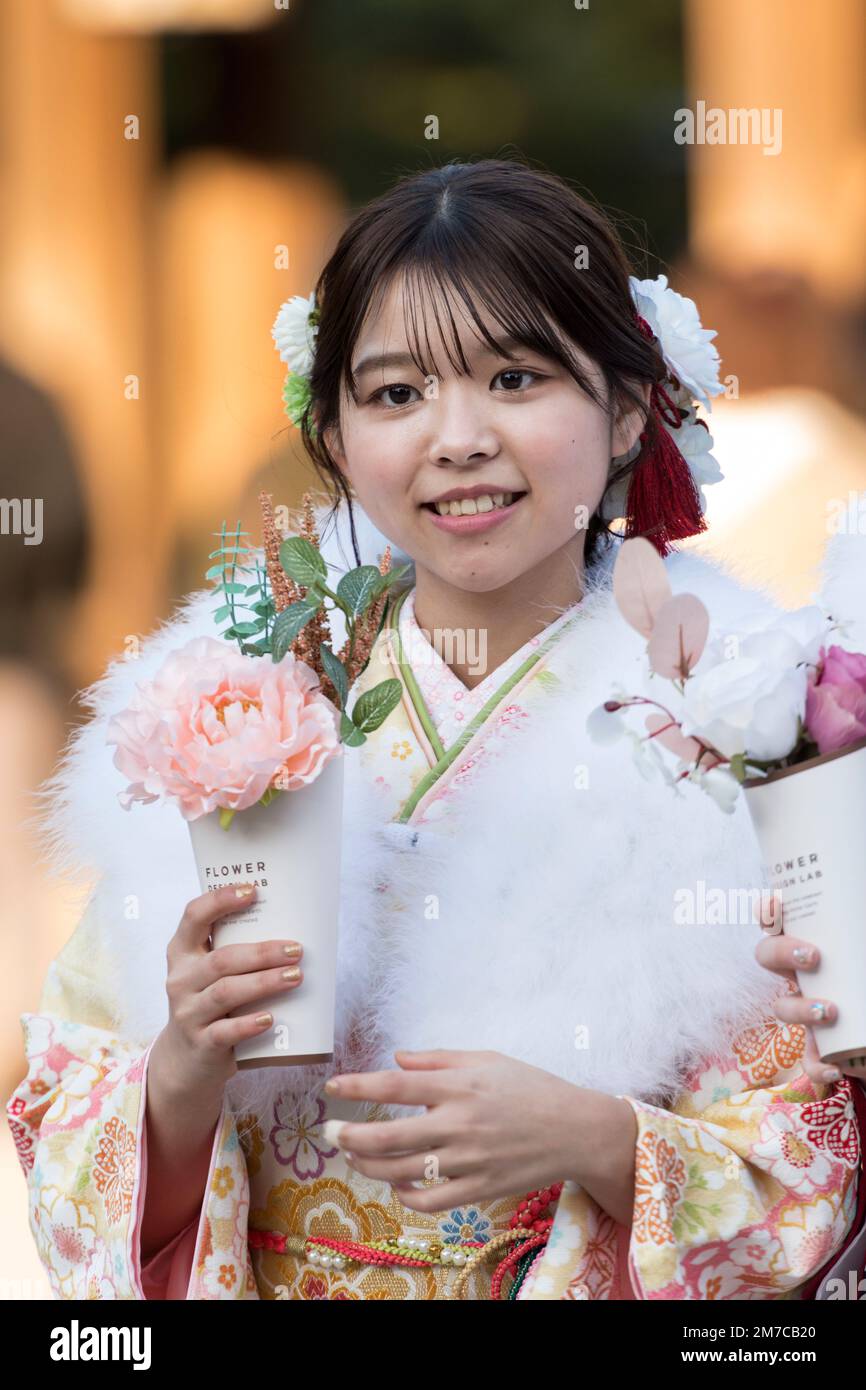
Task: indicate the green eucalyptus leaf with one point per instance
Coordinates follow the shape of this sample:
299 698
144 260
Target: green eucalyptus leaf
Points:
373 707
289 623
302 561
349 733
335 669
358 588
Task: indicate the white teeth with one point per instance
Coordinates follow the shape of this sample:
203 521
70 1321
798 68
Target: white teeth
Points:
469 506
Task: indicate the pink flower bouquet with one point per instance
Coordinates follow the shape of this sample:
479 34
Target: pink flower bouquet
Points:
218 731
778 710
223 731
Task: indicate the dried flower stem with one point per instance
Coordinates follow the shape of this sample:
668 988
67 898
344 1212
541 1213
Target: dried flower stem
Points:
307 646
284 589
355 656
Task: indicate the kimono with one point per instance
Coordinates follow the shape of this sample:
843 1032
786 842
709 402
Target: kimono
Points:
476 821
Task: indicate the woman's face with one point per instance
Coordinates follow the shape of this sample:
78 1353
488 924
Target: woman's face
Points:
520 427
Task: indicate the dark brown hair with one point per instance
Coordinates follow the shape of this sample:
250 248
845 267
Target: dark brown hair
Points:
510 233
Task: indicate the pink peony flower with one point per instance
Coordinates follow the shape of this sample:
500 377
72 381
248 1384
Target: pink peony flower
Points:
217 729
836 700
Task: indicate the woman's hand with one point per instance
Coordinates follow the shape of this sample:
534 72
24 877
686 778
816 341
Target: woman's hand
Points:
192 1058
494 1126
785 954
194 1053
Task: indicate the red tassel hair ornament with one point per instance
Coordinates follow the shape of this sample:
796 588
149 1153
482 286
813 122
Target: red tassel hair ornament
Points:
664 503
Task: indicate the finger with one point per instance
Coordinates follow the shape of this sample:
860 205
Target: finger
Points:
787 954
372 1138
241 959
438 1058
444 1196
395 1087
810 1059
819 1073
226 1033
231 992
809 1013
408 1168
201 913
768 912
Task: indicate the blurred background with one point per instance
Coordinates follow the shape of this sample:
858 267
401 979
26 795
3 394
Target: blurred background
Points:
173 170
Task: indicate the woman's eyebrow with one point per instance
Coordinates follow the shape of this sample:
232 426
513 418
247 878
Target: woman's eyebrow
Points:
379 361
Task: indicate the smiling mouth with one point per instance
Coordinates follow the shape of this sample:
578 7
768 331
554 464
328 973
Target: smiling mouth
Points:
488 502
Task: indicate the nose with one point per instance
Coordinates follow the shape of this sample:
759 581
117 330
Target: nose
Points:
461 431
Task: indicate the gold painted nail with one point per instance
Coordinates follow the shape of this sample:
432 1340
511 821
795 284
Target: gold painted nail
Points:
293 973
294 950
264 1018
245 892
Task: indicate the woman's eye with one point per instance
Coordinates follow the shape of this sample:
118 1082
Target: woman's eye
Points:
383 390
516 372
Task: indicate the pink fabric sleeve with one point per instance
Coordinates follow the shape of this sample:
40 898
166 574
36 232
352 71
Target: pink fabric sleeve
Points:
167 1273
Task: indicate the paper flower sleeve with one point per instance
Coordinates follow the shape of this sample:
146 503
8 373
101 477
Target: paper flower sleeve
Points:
749 1184
78 1121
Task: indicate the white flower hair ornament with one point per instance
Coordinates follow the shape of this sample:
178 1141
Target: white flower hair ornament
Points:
663 497
294 333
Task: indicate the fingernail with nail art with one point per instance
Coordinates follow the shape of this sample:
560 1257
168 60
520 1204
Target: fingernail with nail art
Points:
331 1130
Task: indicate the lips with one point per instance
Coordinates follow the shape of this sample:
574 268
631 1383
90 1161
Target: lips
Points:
469 524
482 502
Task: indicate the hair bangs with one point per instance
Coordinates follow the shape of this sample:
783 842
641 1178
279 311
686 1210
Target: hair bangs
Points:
510 301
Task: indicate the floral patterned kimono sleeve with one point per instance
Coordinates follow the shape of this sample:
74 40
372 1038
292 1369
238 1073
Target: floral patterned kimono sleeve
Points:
78 1120
748 1185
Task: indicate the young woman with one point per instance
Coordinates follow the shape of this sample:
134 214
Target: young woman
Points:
548 1081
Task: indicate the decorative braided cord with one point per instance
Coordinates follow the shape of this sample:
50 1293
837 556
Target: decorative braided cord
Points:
384 1251
524 1265
495 1243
